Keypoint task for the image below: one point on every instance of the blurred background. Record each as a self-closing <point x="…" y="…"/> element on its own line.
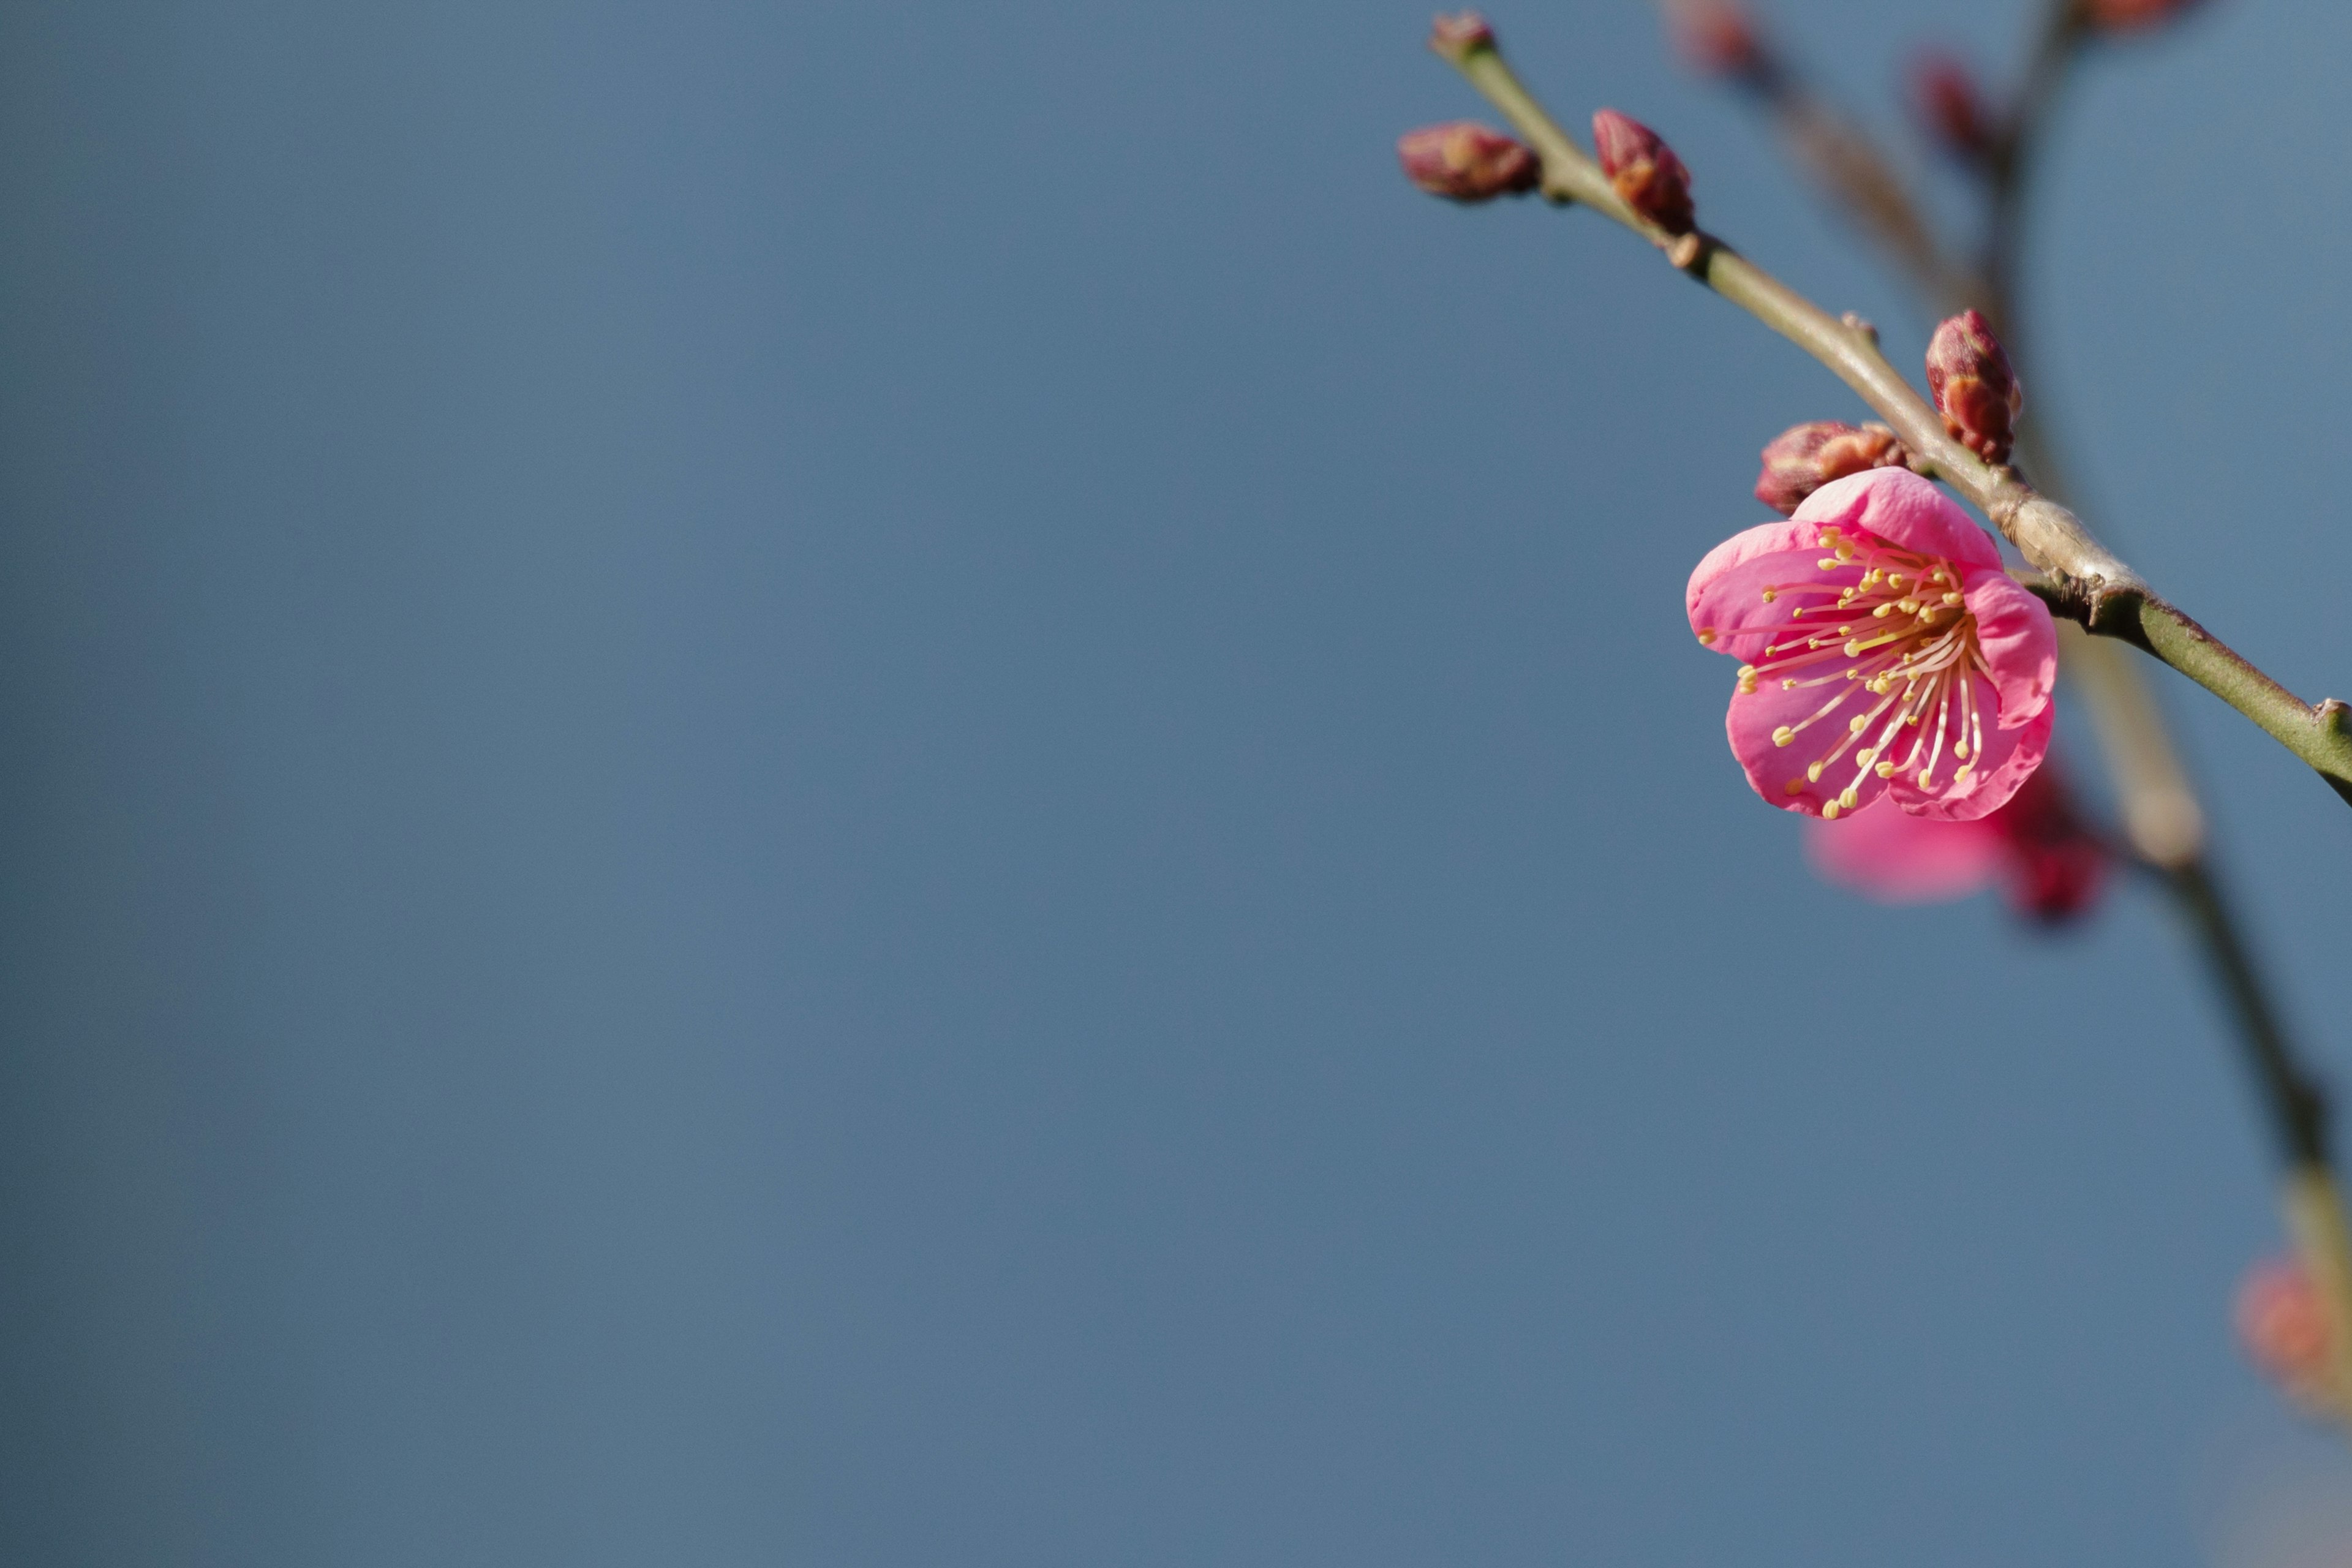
<point x="906" y="783"/>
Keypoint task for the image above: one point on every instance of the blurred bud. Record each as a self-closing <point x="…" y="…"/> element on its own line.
<point x="2057" y="865"/>
<point x="1944" y="97"/>
<point x="1465" y="161"/>
<point x="1715" y="38"/>
<point x="1458" y="37"/>
<point x="1804" y="457"/>
<point x="1645" y="170"/>
<point x="2283" y="1323"/>
<point x="1976" y="391"/>
<point x="2132" y="15"/>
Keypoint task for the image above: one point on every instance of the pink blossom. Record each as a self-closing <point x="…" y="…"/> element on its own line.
<point x="2035" y="849"/>
<point x="2283" y="1323"/>
<point x="1886" y="654"/>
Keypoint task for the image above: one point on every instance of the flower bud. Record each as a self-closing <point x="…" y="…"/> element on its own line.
<point x="2283" y="1323"/>
<point x="1944" y="97"/>
<point x="1715" y="38"/>
<point x="2132" y="15"/>
<point x="2057" y="865"/>
<point x="1976" y="391"/>
<point x="1644" y="171"/>
<point x="1460" y="36"/>
<point x="1465" y="161"/>
<point x="1804" y="457"/>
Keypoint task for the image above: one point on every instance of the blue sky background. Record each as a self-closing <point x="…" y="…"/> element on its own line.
<point x="907" y="785"/>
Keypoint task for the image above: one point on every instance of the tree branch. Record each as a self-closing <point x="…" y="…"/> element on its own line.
<point x="2089" y="581"/>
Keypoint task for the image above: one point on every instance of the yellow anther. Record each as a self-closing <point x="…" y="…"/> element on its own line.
<point x="1858" y="723"/>
<point x="1707" y="636"/>
<point x="1961" y="751"/>
<point x="1864" y="757"/>
<point x="1748" y="686"/>
<point x="1884" y="769"/>
<point x="1894" y="579"/>
<point x="1925" y="781"/>
<point x="1829" y="812"/>
<point x="1850" y="798"/>
<point x="1962" y="776"/>
<point x="1783" y="735"/>
<point x="1882" y="612"/>
<point x="1827" y="563"/>
<point x="1813" y="772"/>
<point x="1790" y="684"/>
<point x="1956" y="600"/>
<point x="1771" y="595"/>
<point x="1845" y="550"/>
<point x="1908" y="606"/>
<point x="1747" y="672"/>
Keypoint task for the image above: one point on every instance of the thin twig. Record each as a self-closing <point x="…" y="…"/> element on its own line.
<point x="2090" y="584"/>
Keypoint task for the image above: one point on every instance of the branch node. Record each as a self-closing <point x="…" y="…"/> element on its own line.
<point x="1686" y="252"/>
<point x="1862" y="326"/>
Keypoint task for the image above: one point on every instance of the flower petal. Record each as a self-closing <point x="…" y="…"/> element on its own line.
<point x="1772" y="769"/>
<point x="2009" y="759"/>
<point x="2019" y="642"/>
<point x="1899" y="858"/>
<point x="1732" y="615"/>
<point x="1904" y="510"/>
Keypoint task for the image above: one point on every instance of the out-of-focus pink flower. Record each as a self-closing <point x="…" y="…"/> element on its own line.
<point x="1715" y="36"/>
<point x="1976" y="391"/>
<point x="1465" y="161"/>
<point x="1945" y="99"/>
<point x="2283" y="1323"/>
<point x="2131" y="15"/>
<point x="1885" y="654"/>
<point x="2035" y="848"/>
<point x="1644" y="170"/>
<point x="1804" y="457"/>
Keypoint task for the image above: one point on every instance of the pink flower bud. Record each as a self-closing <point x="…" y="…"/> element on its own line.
<point x="1715" y="38"/>
<point x="2132" y="15"/>
<point x="1976" y="391"/>
<point x="1644" y="171"/>
<point x="2057" y="865"/>
<point x="1944" y="97"/>
<point x="1804" y="457"/>
<point x="1458" y="37"/>
<point x="1465" y="161"/>
<point x="2283" y="1323"/>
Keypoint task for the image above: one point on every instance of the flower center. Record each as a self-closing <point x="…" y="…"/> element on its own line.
<point x="1896" y="645"/>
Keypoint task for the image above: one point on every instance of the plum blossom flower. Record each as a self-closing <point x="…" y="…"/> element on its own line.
<point x="1884" y="654"/>
<point x="2283" y="1326"/>
<point x="2036" y="849"/>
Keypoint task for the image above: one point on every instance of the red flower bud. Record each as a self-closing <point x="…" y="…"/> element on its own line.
<point x="1460" y="36"/>
<point x="1976" y="391"/>
<point x="1944" y="97"/>
<point x="1465" y="161"/>
<point x="1645" y="170"/>
<point x="1715" y="38"/>
<point x="2131" y="15"/>
<point x="2057" y="866"/>
<point x="2283" y="1323"/>
<point x="1804" y="457"/>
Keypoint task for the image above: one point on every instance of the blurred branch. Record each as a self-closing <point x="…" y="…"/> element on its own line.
<point x="2162" y="816"/>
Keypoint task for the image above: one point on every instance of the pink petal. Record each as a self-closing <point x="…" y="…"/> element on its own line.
<point x="1770" y="769"/>
<point x="2009" y="759"/>
<point x="1725" y="595"/>
<point x="2019" y="642"/>
<point x="1900" y="858"/>
<point x="1732" y="606"/>
<point x="1904" y="509"/>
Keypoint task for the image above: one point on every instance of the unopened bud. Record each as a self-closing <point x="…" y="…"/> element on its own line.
<point x="1804" y="457"/>
<point x="1458" y="37"/>
<point x="2057" y="865"/>
<point x="2133" y="15"/>
<point x="1976" y="391"/>
<point x="1644" y="171"/>
<point x="1465" y="161"/>
<point x="1715" y="36"/>
<point x="1944" y="97"/>
<point x="2283" y="1323"/>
